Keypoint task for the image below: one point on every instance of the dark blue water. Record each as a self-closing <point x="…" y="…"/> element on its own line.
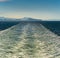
<point x="54" y="26"/>
<point x="4" y="25"/>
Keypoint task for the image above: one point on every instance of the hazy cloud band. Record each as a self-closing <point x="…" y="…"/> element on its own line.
<point x="3" y="0"/>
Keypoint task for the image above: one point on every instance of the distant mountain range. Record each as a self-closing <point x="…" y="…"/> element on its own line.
<point x="7" y="19"/>
<point x="26" y="19"/>
<point x="21" y="19"/>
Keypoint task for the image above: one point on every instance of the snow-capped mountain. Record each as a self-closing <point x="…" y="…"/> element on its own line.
<point x="29" y="40"/>
<point x="29" y="19"/>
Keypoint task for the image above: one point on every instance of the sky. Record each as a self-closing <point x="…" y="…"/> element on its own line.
<point x="41" y="9"/>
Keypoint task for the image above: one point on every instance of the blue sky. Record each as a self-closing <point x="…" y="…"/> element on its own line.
<point x="43" y="9"/>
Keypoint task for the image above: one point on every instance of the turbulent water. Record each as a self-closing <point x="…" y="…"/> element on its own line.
<point x="29" y="40"/>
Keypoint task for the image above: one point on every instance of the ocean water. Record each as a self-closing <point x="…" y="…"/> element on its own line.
<point x="54" y="26"/>
<point x="29" y="40"/>
<point x="7" y="24"/>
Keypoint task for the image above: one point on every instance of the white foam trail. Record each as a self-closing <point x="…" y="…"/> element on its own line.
<point x="29" y="40"/>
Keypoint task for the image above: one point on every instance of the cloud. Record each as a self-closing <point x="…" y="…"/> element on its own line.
<point x="3" y="0"/>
